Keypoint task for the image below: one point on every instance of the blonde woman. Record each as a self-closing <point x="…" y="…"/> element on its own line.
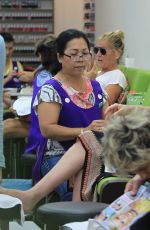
<point x="108" y="52"/>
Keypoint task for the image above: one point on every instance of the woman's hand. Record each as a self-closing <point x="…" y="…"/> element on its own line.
<point x="91" y="70"/>
<point x="96" y="125"/>
<point x="9" y="77"/>
<point x="115" y="109"/>
<point x="133" y="185"/>
<point x="26" y="76"/>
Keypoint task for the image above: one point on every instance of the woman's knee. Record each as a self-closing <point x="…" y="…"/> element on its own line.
<point x="8" y="123"/>
<point x="14" y="128"/>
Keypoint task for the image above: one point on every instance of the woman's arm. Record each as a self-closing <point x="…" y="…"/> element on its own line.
<point x="48" y="115"/>
<point x="113" y="92"/>
<point x="122" y="109"/>
<point x="26" y="76"/>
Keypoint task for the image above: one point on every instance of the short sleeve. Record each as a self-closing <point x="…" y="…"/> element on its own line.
<point x="43" y="77"/>
<point x="112" y="77"/>
<point x="20" y="67"/>
<point x="104" y="94"/>
<point x="47" y="93"/>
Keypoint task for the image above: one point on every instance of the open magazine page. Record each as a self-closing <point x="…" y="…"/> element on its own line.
<point x="125" y="210"/>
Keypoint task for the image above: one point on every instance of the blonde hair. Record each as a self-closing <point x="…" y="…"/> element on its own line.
<point x="126" y="141"/>
<point x="116" y="39"/>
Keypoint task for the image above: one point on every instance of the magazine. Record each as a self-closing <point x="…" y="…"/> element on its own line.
<point x="125" y="210"/>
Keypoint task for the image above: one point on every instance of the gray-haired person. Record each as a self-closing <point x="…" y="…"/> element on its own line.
<point x="126" y="147"/>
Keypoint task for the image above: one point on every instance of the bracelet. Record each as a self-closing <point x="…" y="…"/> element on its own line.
<point x="81" y="131"/>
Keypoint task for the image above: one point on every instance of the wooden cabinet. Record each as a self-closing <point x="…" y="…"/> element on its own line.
<point x="28" y="21"/>
<point x="89" y="19"/>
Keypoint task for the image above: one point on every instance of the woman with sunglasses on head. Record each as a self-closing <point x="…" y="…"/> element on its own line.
<point x="108" y="52"/>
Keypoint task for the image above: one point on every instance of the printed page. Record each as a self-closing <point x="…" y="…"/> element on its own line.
<point x="125" y="210"/>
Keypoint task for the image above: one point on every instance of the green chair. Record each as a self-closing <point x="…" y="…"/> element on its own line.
<point x="147" y="97"/>
<point x="138" y="79"/>
<point x="110" y="187"/>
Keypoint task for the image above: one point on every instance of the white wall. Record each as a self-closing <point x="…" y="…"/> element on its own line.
<point x="68" y="14"/>
<point x="133" y="17"/>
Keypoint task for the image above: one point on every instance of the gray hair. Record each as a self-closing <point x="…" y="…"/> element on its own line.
<point x="126" y="141"/>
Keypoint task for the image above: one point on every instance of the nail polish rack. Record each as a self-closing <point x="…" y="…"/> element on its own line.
<point x="28" y="21"/>
<point x="89" y="20"/>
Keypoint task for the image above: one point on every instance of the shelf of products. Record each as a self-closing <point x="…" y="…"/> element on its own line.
<point x="89" y="20"/>
<point x="28" y="21"/>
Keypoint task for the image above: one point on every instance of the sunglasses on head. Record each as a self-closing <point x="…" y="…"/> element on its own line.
<point x="99" y="49"/>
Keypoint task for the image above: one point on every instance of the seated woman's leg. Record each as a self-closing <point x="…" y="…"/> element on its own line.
<point x="6" y="100"/>
<point x="77" y="186"/>
<point x="15" y="128"/>
<point x="71" y="163"/>
<point x="48" y="163"/>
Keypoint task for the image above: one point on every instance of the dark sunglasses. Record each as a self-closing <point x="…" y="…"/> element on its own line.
<point x="99" y="49"/>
